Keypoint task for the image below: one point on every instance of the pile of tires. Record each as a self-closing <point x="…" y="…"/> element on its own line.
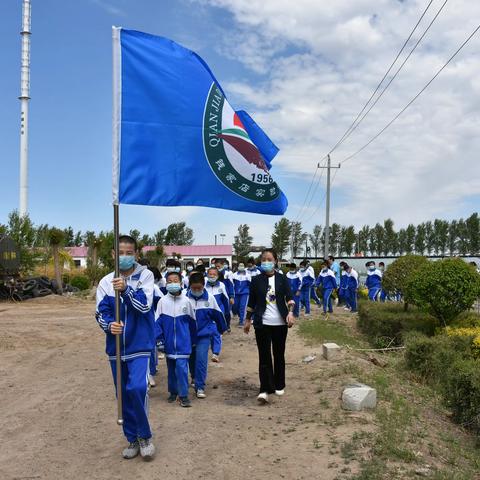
<point x="33" y="287"/>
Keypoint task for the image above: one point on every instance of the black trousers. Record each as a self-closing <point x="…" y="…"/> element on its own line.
<point x="272" y="374"/>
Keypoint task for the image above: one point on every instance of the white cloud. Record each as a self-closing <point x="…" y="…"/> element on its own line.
<point x="320" y="62"/>
<point x="110" y="8"/>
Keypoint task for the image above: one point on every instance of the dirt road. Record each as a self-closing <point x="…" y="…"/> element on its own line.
<point x="57" y="408"/>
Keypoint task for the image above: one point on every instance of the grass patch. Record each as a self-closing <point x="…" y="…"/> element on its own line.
<point x="320" y="330"/>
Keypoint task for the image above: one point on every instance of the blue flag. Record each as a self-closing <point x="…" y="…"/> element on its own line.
<point x="176" y="138"/>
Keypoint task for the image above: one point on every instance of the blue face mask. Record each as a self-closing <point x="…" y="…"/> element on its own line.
<point x="197" y="293"/>
<point x="268" y="266"/>
<point x="189" y="268"/>
<point x="372" y="269"/>
<point x="173" y="287"/>
<point x="126" y="262"/>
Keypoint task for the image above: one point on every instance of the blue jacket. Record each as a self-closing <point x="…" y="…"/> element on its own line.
<point x="327" y="279"/>
<point x="374" y="279"/>
<point x="221" y="296"/>
<point x="352" y="280"/>
<point x="241" y="282"/>
<point x="210" y="318"/>
<point x="307" y="279"/>
<point x="336" y="270"/>
<point x="343" y="280"/>
<point x="138" y="338"/>
<point x="294" y="281"/>
<point x="176" y="325"/>
<point x="157" y="295"/>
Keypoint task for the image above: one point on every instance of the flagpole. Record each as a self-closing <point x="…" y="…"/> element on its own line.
<point x="116" y="90"/>
<point x="118" y="360"/>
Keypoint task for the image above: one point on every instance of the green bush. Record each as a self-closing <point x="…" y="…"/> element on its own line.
<point x="444" y="288"/>
<point x="82" y="282"/>
<point x="386" y="323"/>
<point x="432" y="357"/>
<point x="399" y="273"/>
<point x="462" y="393"/>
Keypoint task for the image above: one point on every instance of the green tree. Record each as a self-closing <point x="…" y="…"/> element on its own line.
<point x="22" y="231"/>
<point x="242" y="243"/>
<point x="377" y="239"/>
<point x="399" y="273"/>
<point x="420" y="235"/>
<point x="178" y="234"/>
<point x="297" y="238"/>
<point x="452" y="237"/>
<point x="335" y="239"/>
<point x="402" y="241"/>
<point x="69" y="237"/>
<point x="282" y="231"/>
<point x="93" y="242"/>
<point x="78" y="240"/>
<point x="364" y="239"/>
<point x="390" y="245"/>
<point x="316" y="239"/>
<point x="440" y="228"/>
<point x="473" y="231"/>
<point x="155" y="257"/>
<point x="159" y="237"/>
<point x="444" y="288"/>
<point x="349" y="239"/>
<point x="135" y="234"/>
<point x="411" y="233"/>
<point x="462" y="237"/>
<point x="56" y="239"/>
<point x="429" y="237"/>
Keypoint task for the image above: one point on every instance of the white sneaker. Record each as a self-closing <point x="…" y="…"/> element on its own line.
<point x="306" y="314"/>
<point x="262" y="398"/>
<point x="147" y="448"/>
<point x="151" y="381"/>
<point x="131" y="451"/>
<point x="346" y="308"/>
<point x="280" y="392"/>
<point x="215" y="358"/>
<point x="201" y="394"/>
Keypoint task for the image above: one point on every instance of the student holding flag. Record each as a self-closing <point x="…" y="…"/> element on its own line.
<point x="136" y="331"/>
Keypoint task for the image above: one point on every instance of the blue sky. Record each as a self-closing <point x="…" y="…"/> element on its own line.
<point x="302" y="86"/>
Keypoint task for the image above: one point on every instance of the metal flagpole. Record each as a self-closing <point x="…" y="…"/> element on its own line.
<point x="118" y="360"/>
<point x="327" y="208"/>
<point x="116" y="88"/>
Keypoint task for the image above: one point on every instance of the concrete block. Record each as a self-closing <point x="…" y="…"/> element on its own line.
<point x="331" y="351"/>
<point x="358" y="397"/>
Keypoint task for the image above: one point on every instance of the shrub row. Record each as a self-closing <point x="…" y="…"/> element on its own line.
<point x="446" y="363"/>
<point x="386" y="323"/>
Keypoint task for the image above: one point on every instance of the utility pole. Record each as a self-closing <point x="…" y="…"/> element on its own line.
<point x="24" y="98"/>
<point x="327" y="209"/>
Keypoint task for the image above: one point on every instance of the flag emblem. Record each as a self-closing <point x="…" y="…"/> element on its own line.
<point x="233" y="157"/>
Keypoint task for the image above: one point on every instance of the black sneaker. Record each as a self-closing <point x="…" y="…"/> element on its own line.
<point x="185" y="402"/>
<point x="172" y="398"/>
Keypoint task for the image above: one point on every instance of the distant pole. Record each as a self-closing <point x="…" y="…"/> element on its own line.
<point x="215" y="239"/>
<point x="327" y="208"/>
<point x="222" y="235"/>
<point x="24" y="98"/>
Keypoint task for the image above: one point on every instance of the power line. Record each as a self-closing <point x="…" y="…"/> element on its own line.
<point x="397" y="72"/>
<point x="347" y="132"/>
<point x="299" y="214"/>
<point x="413" y="99"/>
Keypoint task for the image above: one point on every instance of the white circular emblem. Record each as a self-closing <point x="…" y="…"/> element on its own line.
<point x="207" y="304"/>
<point x="184" y="310"/>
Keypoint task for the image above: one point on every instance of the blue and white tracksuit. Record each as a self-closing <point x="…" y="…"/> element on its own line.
<point x="136" y="344"/>
<point x="328" y="282"/>
<point x="177" y="329"/>
<point x="352" y="289"/>
<point x="157" y="295"/>
<point x="374" y="284"/>
<point x="210" y="321"/>
<point x="241" y="284"/>
<point x="294" y="281"/>
<point x="313" y="289"/>
<point x="254" y="271"/>
<point x="307" y="280"/>
<point x="221" y="296"/>
<point x="343" y="288"/>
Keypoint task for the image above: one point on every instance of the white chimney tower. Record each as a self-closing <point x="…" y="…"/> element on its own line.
<point x="24" y="98"/>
